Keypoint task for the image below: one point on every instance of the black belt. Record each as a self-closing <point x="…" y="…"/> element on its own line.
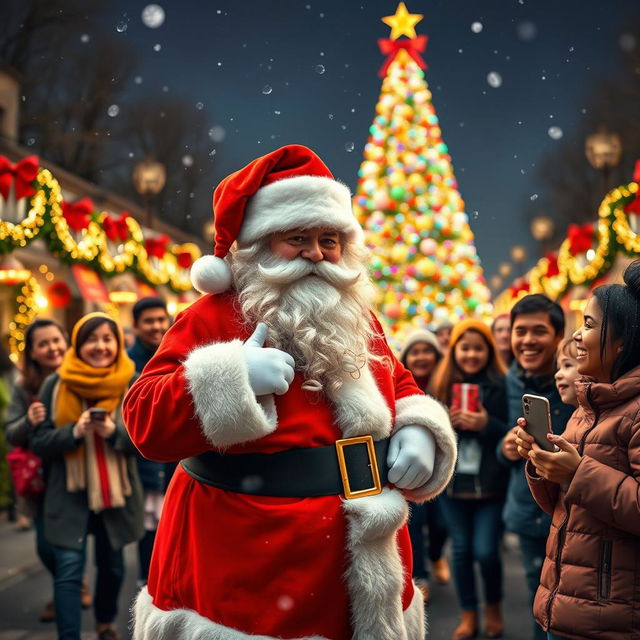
<point x="353" y="467"/>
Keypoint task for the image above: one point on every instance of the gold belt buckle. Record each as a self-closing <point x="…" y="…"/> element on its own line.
<point x="373" y="464"/>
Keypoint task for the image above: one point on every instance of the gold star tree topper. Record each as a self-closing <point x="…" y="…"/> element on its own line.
<point x="402" y="23"/>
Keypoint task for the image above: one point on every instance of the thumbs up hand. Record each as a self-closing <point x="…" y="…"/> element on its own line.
<point x="270" y="370"/>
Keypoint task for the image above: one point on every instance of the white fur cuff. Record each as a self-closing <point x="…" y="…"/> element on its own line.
<point x="427" y="412"/>
<point x="224" y="400"/>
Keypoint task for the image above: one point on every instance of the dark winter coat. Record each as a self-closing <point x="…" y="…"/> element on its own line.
<point x="521" y="514"/>
<point x="17" y="430"/>
<point x="66" y="514"/>
<point x="491" y="481"/>
<point x="589" y="587"/>
<point x="17" y="427"/>
<point x="154" y="476"/>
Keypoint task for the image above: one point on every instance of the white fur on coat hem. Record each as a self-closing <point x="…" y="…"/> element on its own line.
<point x="415" y="619"/>
<point x="152" y="623"/>
<point x="375" y="574"/>
<point x="427" y="412"/>
<point x="224" y="401"/>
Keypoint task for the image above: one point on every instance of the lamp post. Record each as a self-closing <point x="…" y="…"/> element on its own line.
<point x="542" y="229"/>
<point x="149" y="178"/>
<point x="603" y="150"/>
<point x="504" y="269"/>
<point x="518" y="255"/>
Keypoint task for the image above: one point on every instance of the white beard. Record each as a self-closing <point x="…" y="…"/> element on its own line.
<point x="322" y="320"/>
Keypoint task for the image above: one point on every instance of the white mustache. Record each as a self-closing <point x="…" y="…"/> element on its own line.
<point x="288" y="271"/>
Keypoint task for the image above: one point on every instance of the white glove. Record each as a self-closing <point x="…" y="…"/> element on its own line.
<point x="270" y="370"/>
<point x="411" y="456"/>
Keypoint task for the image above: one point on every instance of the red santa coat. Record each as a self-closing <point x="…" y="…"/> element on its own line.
<point x="230" y="565"/>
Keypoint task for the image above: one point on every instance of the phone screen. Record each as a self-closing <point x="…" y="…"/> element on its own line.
<point x="98" y="414"/>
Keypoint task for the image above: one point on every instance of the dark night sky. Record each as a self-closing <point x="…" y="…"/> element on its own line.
<point x="548" y="53"/>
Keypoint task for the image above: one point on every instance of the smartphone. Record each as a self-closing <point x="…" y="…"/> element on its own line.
<point x="465" y="395"/>
<point x="537" y="413"/>
<point x="97" y="414"/>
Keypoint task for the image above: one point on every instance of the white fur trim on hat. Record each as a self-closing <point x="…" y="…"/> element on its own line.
<point x="299" y="202"/>
<point x="210" y="274"/>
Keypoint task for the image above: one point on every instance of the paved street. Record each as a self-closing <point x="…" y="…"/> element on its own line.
<point x="25" y="587"/>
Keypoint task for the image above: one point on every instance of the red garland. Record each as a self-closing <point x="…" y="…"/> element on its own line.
<point x="184" y="259"/>
<point x="23" y="173"/>
<point x="78" y="214"/>
<point x="414" y="47"/>
<point x="580" y="238"/>
<point x="518" y="287"/>
<point x="157" y="247"/>
<point x="552" y="265"/>
<point x="116" y="229"/>
<point x="634" y="205"/>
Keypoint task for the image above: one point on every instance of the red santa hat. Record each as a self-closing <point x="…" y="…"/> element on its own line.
<point x="290" y="188"/>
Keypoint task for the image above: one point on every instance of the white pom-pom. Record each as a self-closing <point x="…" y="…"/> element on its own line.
<point x="210" y="274"/>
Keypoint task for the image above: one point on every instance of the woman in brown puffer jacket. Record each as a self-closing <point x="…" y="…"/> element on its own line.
<point x="589" y="587"/>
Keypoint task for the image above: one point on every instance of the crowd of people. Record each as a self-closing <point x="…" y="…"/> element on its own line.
<point x="63" y="404"/>
<point x="265" y="544"/>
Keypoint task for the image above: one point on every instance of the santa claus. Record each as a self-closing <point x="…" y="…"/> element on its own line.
<point x="301" y="436"/>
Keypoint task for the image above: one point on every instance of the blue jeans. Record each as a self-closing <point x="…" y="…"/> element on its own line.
<point x="43" y="547"/>
<point x="68" y="582"/>
<point x="533" y="553"/>
<point x="429" y="513"/>
<point x="475" y="527"/>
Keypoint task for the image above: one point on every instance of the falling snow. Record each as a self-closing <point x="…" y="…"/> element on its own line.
<point x="494" y="79"/>
<point x="153" y="16"/>
<point x="555" y="133"/>
<point x="476" y="27"/>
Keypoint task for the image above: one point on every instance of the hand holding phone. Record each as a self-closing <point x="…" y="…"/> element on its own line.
<point x="537" y="413"/>
<point x="97" y="414"/>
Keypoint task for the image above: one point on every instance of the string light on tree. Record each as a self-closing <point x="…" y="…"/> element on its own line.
<point x="407" y="200"/>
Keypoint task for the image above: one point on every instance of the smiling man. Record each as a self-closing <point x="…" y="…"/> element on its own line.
<point x="301" y="435"/>
<point x="537" y="327"/>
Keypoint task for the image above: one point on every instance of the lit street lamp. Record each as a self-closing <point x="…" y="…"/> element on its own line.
<point x="504" y="269"/>
<point x="603" y="150"/>
<point x="542" y="229"/>
<point x="149" y="178"/>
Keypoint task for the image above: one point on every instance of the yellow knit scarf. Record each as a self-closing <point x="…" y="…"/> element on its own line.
<point x="94" y="465"/>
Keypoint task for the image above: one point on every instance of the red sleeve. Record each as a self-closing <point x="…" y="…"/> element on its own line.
<point x="404" y="383"/>
<point x="158" y="410"/>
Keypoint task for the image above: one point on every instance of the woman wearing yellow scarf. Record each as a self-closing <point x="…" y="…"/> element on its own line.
<point x="92" y="485"/>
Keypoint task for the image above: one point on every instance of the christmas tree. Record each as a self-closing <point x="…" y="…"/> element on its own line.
<point x="407" y="200"/>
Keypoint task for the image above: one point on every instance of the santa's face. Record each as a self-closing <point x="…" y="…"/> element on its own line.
<point x="311" y="288"/>
<point x="311" y="244"/>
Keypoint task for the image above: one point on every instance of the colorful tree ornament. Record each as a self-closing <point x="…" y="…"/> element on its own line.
<point x="407" y="199"/>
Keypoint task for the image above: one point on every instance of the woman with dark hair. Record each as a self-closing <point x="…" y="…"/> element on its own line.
<point x="474" y="499"/>
<point x="421" y="355"/>
<point x="45" y="343"/>
<point x="44" y="347"/>
<point x="92" y="484"/>
<point x="591" y="482"/>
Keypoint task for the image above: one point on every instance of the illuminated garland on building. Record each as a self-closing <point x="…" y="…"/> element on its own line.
<point x="613" y="235"/>
<point x="27" y="298"/>
<point x="90" y="245"/>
